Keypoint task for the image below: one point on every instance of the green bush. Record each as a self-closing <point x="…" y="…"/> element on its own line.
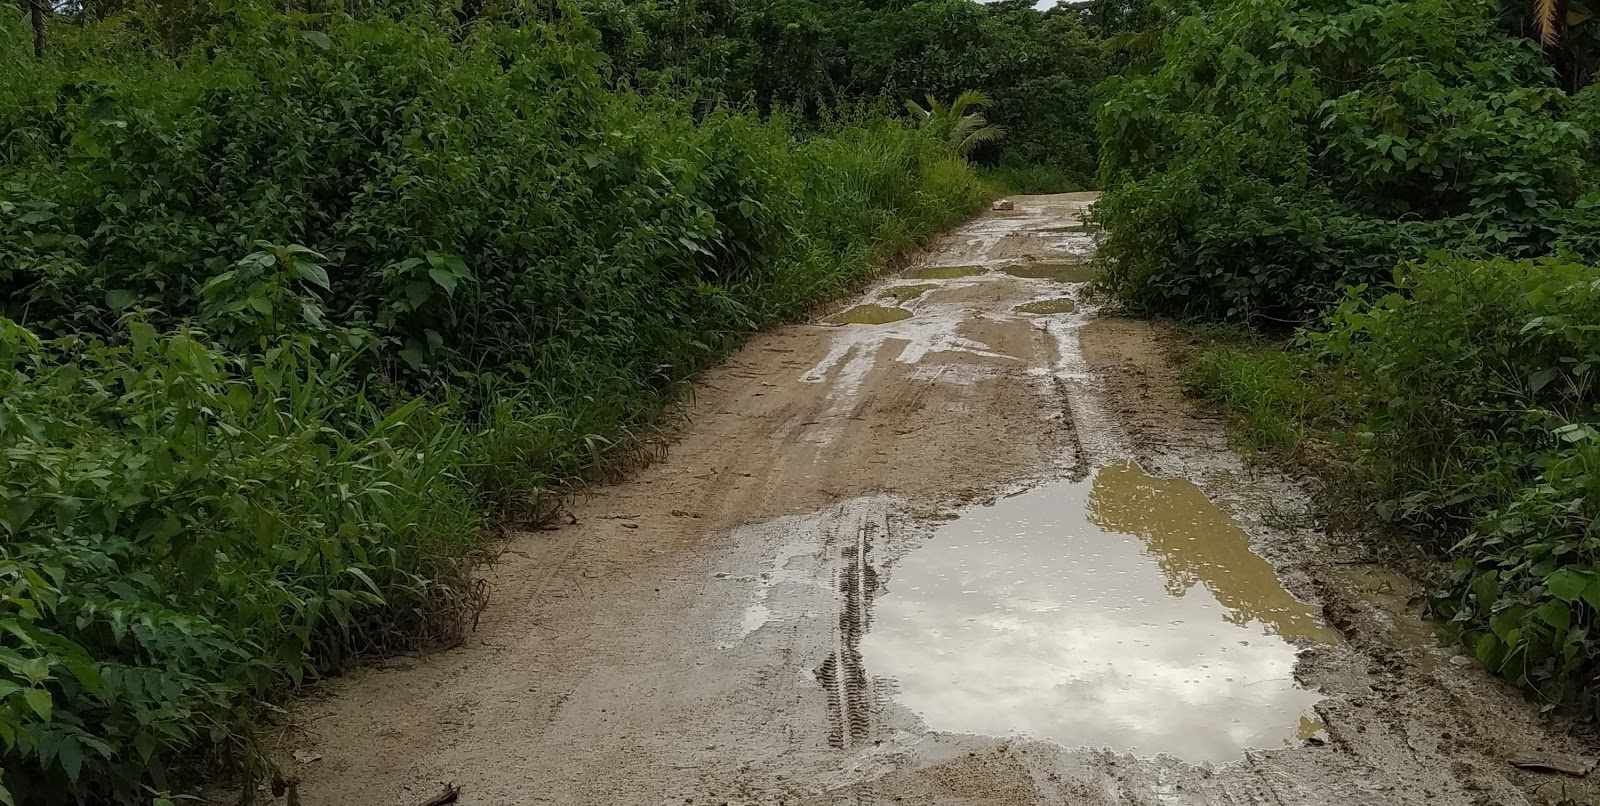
<point x="1479" y="383"/>
<point x="287" y="317"/>
<point x="1285" y="148"/>
<point x="186" y="529"/>
<point x="1469" y="396"/>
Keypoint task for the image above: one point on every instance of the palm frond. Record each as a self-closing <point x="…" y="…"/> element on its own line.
<point x="977" y="137"/>
<point x="1544" y="18"/>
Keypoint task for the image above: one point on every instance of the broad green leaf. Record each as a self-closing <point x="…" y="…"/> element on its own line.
<point x="69" y="754"/>
<point x="1556" y="614"/>
<point x="1568" y="583"/>
<point x="313" y="273"/>
<point x="39" y="700"/>
<point x="446" y="280"/>
<point x="1488" y="647"/>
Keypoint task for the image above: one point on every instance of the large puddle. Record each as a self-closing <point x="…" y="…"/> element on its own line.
<point x="1124" y="612"/>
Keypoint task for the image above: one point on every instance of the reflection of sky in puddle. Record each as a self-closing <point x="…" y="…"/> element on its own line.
<point x="1040" y="615"/>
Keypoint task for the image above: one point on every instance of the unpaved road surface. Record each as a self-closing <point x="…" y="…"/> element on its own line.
<point x="949" y="552"/>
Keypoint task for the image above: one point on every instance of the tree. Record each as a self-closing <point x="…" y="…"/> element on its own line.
<point x="954" y="124"/>
<point x="36" y="11"/>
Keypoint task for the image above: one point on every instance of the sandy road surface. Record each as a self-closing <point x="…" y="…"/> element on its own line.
<point x="958" y="558"/>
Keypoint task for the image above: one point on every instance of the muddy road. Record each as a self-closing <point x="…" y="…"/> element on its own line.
<point x="961" y="542"/>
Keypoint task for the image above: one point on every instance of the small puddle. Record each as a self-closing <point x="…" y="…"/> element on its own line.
<point x="1398" y="599"/>
<point x="1126" y="612"/>
<point x="901" y="293"/>
<point x="942" y="272"/>
<point x="1057" y="305"/>
<point x="1070" y="271"/>
<point x="870" y="315"/>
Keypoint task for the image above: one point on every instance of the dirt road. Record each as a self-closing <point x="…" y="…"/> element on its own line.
<point x="969" y="547"/>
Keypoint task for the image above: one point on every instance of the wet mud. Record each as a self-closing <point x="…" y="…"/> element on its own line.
<point x="974" y="556"/>
<point x="942" y="272"/>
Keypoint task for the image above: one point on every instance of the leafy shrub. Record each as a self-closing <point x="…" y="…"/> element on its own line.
<point x="1286" y="148"/>
<point x="1470" y="393"/>
<point x="1468" y="371"/>
<point x="1479" y="382"/>
<point x="186" y="529"/>
<point x="287" y="319"/>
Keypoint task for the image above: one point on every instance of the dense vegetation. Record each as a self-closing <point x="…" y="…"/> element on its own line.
<point x="1413" y="183"/>
<point x="1039" y="68"/>
<point x="294" y="307"/>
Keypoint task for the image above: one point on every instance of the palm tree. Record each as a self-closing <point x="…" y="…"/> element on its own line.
<point x="964" y="130"/>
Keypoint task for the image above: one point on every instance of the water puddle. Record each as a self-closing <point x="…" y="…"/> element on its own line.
<point x="1070" y="271"/>
<point x="870" y="315"/>
<point x="901" y="293"/>
<point x="1397" y="599"/>
<point x="1124" y="612"/>
<point x="942" y="272"/>
<point x="1046" y="306"/>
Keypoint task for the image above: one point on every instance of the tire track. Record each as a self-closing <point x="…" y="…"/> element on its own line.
<point x="844" y="678"/>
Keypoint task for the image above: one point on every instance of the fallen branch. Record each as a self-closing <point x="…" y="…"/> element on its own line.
<point x="446" y="795"/>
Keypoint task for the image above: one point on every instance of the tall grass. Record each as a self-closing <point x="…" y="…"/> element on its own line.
<point x="289" y="319"/>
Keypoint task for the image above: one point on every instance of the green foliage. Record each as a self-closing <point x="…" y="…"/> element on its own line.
<point x="1031" y="178"/>
<point x="187" y="528"/>
<point x="1286" y="148"/>
<point x="287" y="320"/>
<point x="1470" y="398"/>
<point x="1281" y="401"/>
<point x="954" y="124"/>
<point x="1468" y="370"/>
<point x="811" y="55"/>
<point x="1480" y="387"/>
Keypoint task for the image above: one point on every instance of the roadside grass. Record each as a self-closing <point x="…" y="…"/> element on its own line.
<point x="1015" y="178"/>
<point x="1280" y="401"/>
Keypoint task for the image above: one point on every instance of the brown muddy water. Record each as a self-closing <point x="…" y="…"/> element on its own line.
<point x="870" y="315"/>
<point x="1048" y="306"/>
<point x="1126" y="611"/>
<point x="1069" y="271"/>
<point x="901" y="293"/>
